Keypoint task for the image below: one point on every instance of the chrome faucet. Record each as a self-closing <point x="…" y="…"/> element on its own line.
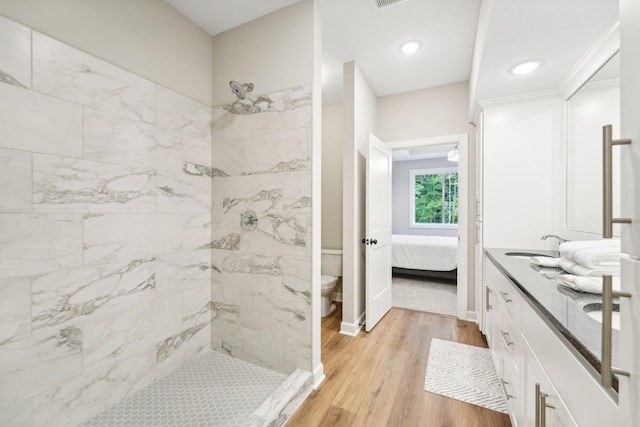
<point x="560" y="239"/>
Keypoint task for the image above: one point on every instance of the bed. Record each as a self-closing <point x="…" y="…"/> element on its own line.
<point x="429" y="256"/>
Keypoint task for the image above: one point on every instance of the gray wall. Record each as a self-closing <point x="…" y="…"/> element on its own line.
<point x="400" y="196"/>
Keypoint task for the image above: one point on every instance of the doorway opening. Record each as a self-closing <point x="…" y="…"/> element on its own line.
<point x="430" y="220"/>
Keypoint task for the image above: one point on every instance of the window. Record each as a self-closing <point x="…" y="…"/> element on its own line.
<point x="433" y="198"/>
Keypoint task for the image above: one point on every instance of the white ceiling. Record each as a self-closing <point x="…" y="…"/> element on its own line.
<point x="216" y="16"/>
<point x="355" y="30"/>
<point x="421" y="153"/>
<point x="557" y="31"/>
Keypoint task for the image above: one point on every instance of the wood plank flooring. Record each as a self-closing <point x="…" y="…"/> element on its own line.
<point x="377" y="378"/>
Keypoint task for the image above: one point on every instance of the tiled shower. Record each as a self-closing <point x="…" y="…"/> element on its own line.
<point x="121" y="252"/>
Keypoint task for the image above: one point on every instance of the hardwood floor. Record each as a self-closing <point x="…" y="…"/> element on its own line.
<point x="377" y="378"/>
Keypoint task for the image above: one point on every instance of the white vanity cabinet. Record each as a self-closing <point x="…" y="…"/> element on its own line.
<point x="536" y="368"/>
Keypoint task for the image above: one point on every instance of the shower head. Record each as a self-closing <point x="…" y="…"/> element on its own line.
<point x="240" y="90"/>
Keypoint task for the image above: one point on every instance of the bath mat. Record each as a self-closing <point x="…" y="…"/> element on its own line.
<point x="464" y="372"/>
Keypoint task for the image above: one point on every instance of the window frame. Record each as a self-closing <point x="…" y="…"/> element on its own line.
<point x="412" y="197"/>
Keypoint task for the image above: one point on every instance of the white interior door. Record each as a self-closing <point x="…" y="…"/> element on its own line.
<point x="378" y="232"/>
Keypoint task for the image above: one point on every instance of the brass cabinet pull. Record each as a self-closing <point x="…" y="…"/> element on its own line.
<point x="487" y="302"/>
<point x="607" y="181"/>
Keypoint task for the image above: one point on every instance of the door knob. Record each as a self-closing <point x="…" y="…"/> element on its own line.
<point x="365" y="241"/>
<point x="374" y="241"/>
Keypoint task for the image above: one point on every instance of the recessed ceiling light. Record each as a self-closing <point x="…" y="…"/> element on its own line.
<point x="526" y="67"/>
<point x="410" y="47"/>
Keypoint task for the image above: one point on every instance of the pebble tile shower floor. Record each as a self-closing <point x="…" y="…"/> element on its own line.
<point x="212" y="390"/>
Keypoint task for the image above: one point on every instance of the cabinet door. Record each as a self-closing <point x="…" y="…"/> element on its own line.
<point x="629" y="344"/>
<point x="479" y="152"/>
<point x="629" y="123"/>
<point x="542" y="405"/>
<point x="479" y="274"/>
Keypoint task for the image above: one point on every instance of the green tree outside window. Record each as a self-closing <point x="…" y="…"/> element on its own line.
<point x="436" y="198"/>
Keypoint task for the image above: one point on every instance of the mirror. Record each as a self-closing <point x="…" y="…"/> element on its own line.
<point x="593" y="105"/>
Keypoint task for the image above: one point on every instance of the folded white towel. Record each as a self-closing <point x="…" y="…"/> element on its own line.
<point x="592" y="285"/>
<point x="598" y="257"/>
<point x="579" y="270"/>
<point x="545" y="261"/>
<point x="592" y="253"/>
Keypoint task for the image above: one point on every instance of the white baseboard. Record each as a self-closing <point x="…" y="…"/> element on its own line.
<point x="318" y="376"/>
<point x="472" y="316"/>
<point x="350" y="329"/>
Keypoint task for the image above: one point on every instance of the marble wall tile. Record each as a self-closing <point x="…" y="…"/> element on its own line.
<point x="252" y="346"/>
<point x="217" y="196"/>
<point x="227" y="158"/>
<point x="258" y="193"/>
<point x="196" y="306"/>
<point x="281" y="316"/>
<point x="296" y="277"/>
<point x="196" y="151"/>
<point x="34" y="122"/>
<point x="63" y="184"/>
<point x="39" y="362"/>
<point x="228" y="126"/>
<point x="296" y="193"/>
<point x="112" y="337"/>
<point x="227" y="303"/>
<point x="226" y="232"/>
<point x="297" y="356"/>
<point x="297" y="118"/>
<point x="196" y="231"/>
<point x="16" y="414"/>
<point x="66" y="296"/>
<point x="283" y="234"/>
<point x="182" y="271"/>
<point x="32" y="244"/>
<point x="295" y="97"/>
<point x="15" y="309"/>
<point x="110" y="238"/>
<point x="64" y="72"/>
<point x="74" y="401"/>
<point x="252" y="271"/>
<point x="113" y="139"/>
<point x="271" y="314"/>
<point x="183" y="193"/>
<point x="284" y="151"/>
<point x="185" y="345"/>
<point x="284" y="100"/>
<point x="195" y="169"/>
<point x="15" y="181"/>
<point x="15" y="54"/>
<point x="184" y="115"/>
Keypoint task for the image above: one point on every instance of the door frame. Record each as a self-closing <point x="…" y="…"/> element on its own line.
<point x="462" y="140"/>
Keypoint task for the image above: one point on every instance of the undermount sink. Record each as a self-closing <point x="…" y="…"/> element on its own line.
<point x="524" y="255"/>
<point x="594" y="311"/>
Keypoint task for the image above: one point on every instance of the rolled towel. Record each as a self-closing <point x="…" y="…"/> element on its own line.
<point x="545" y="261"/>
<point x="592" y="285"/>
<point x="593" y="253"/>
<point x="579" y="270"/>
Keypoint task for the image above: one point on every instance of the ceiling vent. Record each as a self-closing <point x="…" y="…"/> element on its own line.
<point x="380" y="4"/>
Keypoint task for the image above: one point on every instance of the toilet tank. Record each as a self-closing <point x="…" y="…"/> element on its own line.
<point x="331" y="262"/>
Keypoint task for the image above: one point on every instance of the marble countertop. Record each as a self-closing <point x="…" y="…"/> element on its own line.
<point x="561" y="308"/>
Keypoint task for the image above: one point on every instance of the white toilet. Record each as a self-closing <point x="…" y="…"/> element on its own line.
<point x="331" y="269"/>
